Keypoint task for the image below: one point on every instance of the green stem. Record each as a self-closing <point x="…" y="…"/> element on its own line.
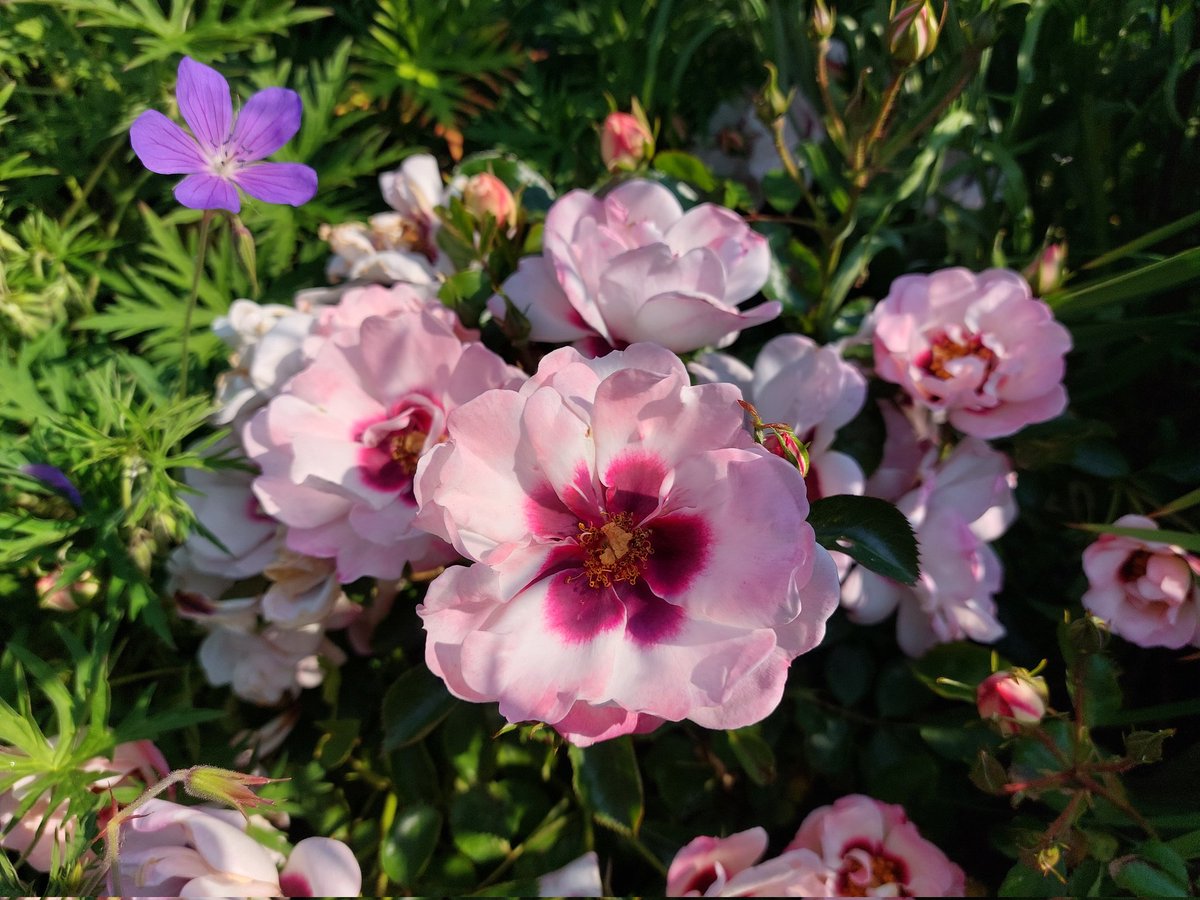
<point x="112" y="831"/>
<point x="82" y="194"/>
<point x="201" y="249"/>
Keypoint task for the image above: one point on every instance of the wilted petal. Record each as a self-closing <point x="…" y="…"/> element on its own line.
<point x="204" y="191"/>
<point x="291" y="183"/>
<point x="268" y="121"/>
<point x="203" y="95"/>
<point x="163" y="146"/>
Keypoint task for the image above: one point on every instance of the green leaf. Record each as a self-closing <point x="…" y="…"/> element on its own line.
<point x="609" y="785"/>
<point x="781" y="192"/>
<point x="849" y="669"/>
<point x="953" y="670"/>
<point x="1184" y="539"/>
<point x="406" y="850"/>
<point x="1186" y="845"/>
<point x="414" y="706"/>
<point x="339" y="738"/>
<point x="687" y="168"/>
<point x="872" y="531"/>
<point x="1151" y="279"/>
<point x="754" y="753"/>
<point x="1022" y="881"/>
<point x="484" y="821"/>
<point x="1157" y="871"/>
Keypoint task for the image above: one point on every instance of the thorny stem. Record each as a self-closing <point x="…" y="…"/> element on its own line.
<point x="838" y="127"/>
<point x="862" y="173"/>
<point x="201" y="249"/>
<point x="1120" y="803"/>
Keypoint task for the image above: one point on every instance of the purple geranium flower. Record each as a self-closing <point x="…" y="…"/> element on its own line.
<point x="224" y="154"/>
<point x="53" y="477"/>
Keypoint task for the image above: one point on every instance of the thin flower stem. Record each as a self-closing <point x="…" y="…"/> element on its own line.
<point x="84" y="192"/>
<point x="877" y="130"/>
<point x="1120" y="803"/>
<point x="112" y="831"/>
<point x="837" y="126"/>
<point x="201" y="249"/>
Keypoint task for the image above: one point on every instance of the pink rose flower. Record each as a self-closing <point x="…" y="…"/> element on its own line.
<point x="977" y="349"/>
<point x="871" y="849"/>
<point x="338" y="448"/>
<point x="1145" y="590"/>
<point x="730" y="867"/>
<point x="168" y="850"/>
<point x="1012" y="699"/>
<point x="959" y="504"/>
<point x="637" y="557"/>
<point x="633" y="266"/>
<point x="132" y="762"/>
<point x="797" y="382"/>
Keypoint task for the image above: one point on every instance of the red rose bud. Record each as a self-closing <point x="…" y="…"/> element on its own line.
<point x="912" y="34"/>
<point x="625" y="141"/>
<point x="225" y="786"/>
<point x="1045" y="274"/>
<point x="782" y="441"/>
<point x="1012" y="698"/>
<point x="486" y="195"/>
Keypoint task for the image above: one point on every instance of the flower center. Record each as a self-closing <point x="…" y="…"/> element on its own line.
<point x="1134" y="566"/>
<point x="405" y="448"/>
<point x="614" y="552"/>
<point x="944" y="348"/>
<point x="864" y="871"/>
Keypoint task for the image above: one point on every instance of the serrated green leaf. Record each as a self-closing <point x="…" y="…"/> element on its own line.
<point x="608" y="783"/>
<point x="872" y="531"/>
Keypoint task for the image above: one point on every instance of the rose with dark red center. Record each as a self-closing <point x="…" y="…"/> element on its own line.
<point x="1145" y="590"/>
<point x="978" y="350"/>
<point x="339" y="446"/>
<point x="638" y="557"/>
<point x="871" y="849"/>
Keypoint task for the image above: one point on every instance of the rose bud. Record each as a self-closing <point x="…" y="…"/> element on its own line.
<point x="1012" y="698"/>
<point x="625" y="141"/>
<point x="912" y="34"/>
<point x="486" y="195"/>
<point x="1045" y="273"/>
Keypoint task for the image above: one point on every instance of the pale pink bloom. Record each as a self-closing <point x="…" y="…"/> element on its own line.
<point x="578" y="878"/>
<point x="979" y="350"/>
<point x="910" y="435"/>
<point x="633" y="266"/>
<point x="339" y="446"/>
<point x="131" y="762"/>
<point x="743" y="148"/>
<point x="1145" y="590"/>
<point x="638" y="557"/>
<point x="959" y="505"/>
<point x="399" y="246"/>
<point x="871" y="849"/>
<point x="264" y="343"/>
<point x="809" y="387"/>
<point x="1012" y="698"/>
<point x="199" y="851"/>
<point x="624" y="141"/>
<point x="730" y="867"/>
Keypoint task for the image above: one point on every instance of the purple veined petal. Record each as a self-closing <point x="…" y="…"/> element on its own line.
<point x="207" y="191"/>
<point x="163" y="146"/>
<point x="203" y="96"/>
<point x="268" y="121"/>
<point x="291" y="183"/>
<point x="53" y="477"/>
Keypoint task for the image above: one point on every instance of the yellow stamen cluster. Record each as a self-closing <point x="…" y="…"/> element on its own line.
<point x="945" y="349"/>
<point x="616" y="551"/>
<point x="405" y="448"/>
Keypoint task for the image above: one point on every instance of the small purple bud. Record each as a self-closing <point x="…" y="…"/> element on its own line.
<point x="54" y="478"/>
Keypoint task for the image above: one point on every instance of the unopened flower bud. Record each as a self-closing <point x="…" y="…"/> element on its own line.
<point x="53" y="594"/>
<point x="1012" y="698"/>
<point x="243" y="241"/>
<point x="821" y="20"/>
<point x="1089" y="634"/>
<point x="913" y="32"/>
<point x="486" y="195"/>
<point x="625" y="141"/>
<point x="1045" y="273"/>
<point x="226" y="786"/>
<point x="772" y="103"/>
<point x="782" y="441"/>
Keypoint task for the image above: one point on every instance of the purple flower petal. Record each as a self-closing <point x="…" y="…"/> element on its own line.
<point x="163" y="146"/>
<point x="290" y="183"/>
<point x="203" y="96"/>
<point x="268" y="121"/>
<point x="207" y="191"/>
<point x="53" y="477"/>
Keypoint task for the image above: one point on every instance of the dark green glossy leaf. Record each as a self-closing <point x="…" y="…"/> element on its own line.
<point x="872" y="531"/>
<point x="406" y="850"/>
<point x="608" y="783"/>
<point x="414" y="706"/>
<point x="685" y="167"/>
<point x="339" y="738"/>
<point x="754" y="753"/>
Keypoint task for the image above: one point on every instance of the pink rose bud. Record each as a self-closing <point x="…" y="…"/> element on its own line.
<point x="1045" y="273"/>
<point x="912" y="34"/>
<point x="487" y="195"/>
<point x="625" y="141"/>
<point x="1012" y="698"/>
